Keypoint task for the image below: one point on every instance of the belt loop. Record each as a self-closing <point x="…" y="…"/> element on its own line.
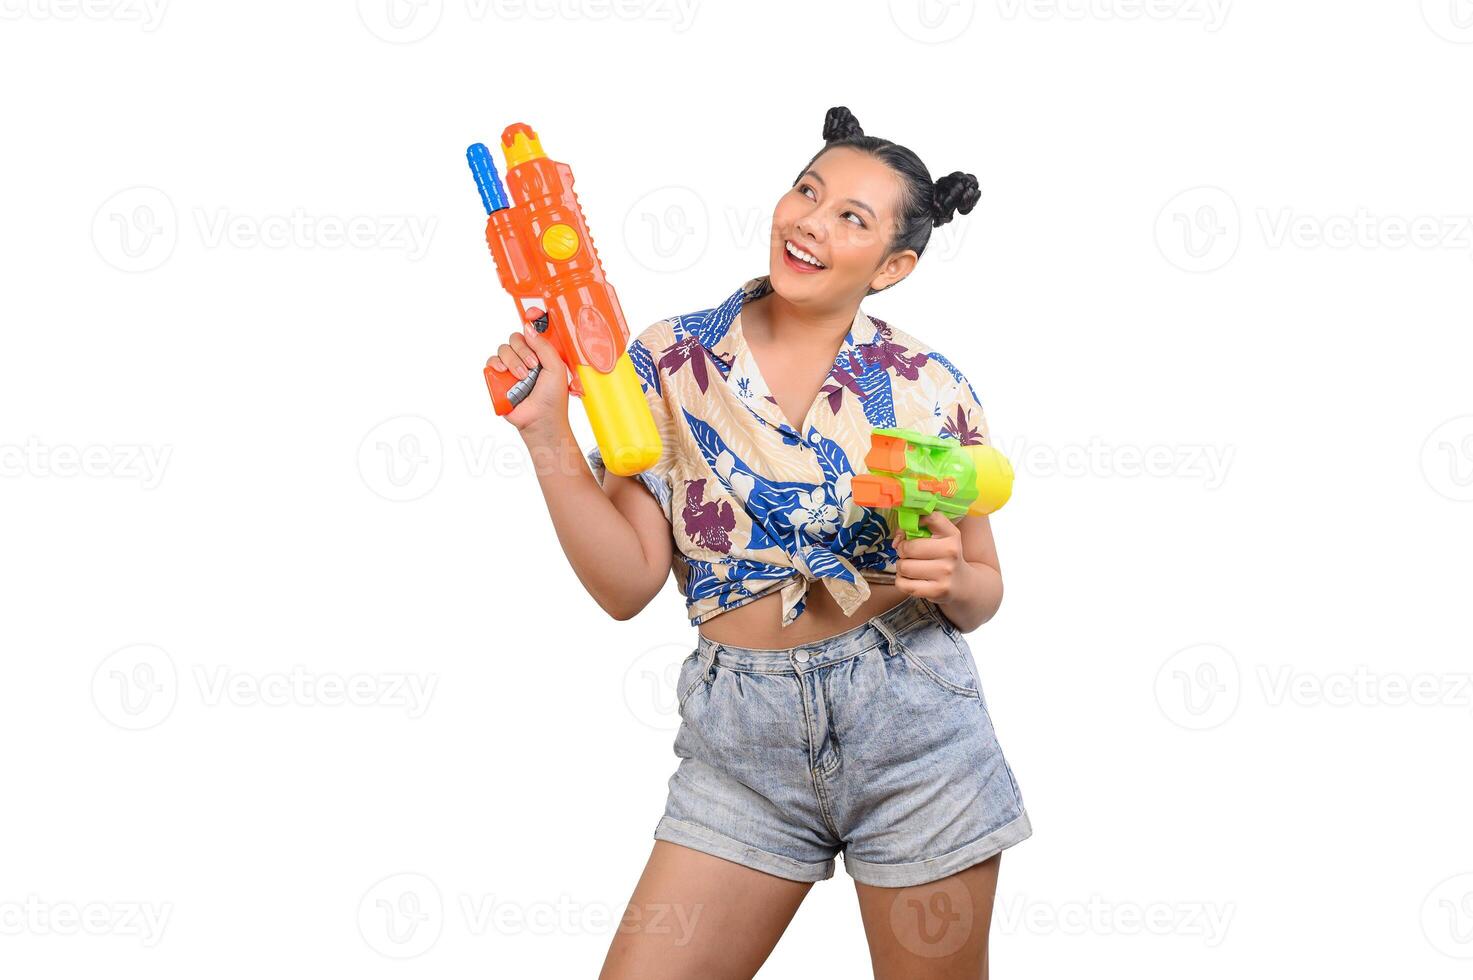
<point x="886" y="632"/>
<point x="711" y="659"/>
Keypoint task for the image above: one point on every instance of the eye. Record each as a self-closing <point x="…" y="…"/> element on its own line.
<point x="804" y="189"/>
<point x="857" y="219"/>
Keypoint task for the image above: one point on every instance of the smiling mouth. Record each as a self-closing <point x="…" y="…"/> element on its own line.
<point x="799" y="260"/>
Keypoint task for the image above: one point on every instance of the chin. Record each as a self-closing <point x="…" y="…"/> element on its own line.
<point x="795" y="287"/>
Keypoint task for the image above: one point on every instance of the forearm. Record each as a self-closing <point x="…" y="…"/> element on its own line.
<point x="975" y="598"/>
<point x="600" y="543"/>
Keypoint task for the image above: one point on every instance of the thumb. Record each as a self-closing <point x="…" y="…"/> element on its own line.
<point x="940" y="525"/>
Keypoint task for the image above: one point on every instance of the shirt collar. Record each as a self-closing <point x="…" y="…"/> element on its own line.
<point x="723" y="339"/>
<point x="861" y="332"/>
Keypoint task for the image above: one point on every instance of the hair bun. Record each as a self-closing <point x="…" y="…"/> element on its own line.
<point x="956" y="192"/>
<point x="840" y="124"/>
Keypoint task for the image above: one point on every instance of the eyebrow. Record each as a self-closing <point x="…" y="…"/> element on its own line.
<point x="849" y="200"/>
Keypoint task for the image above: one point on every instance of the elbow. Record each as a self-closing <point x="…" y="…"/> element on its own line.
<point x="623" y="613"/>
<point x="625" y="608"/>
<point x="620" y="611"/>
<point x="637" y="592"/>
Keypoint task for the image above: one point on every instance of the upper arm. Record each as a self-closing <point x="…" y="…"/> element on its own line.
<point x="962" y="418"/>
<point x="644" y="498"/>
<point x="646" y="515"/>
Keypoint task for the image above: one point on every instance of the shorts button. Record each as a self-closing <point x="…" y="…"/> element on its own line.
<point x="801" y="656"/>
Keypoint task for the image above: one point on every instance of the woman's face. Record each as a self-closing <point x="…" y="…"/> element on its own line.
<point x="842" y="212"/>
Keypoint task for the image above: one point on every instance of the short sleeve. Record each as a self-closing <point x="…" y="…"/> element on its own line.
<point x="643" y="350"/>
<point x="960" y="414"/>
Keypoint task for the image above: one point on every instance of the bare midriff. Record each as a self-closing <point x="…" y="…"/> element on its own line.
<point x="758" y="624"/>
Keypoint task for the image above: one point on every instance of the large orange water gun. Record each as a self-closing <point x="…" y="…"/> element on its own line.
<point x="546" y="260"/>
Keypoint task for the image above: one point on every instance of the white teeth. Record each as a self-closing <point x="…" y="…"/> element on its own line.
<point x="798" y="253"/>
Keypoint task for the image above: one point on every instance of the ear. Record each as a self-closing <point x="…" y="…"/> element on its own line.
<point x="895" y="268"/>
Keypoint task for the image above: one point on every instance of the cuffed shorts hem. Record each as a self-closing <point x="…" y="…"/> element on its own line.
<point x="709" y="841"/>
<point x="921" y="872"/>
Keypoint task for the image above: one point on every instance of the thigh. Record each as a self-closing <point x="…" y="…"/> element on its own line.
<point x="695" y="915"/>
<point x="935" y="931"/>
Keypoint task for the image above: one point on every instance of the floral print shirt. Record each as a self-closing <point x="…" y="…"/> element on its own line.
<point x="756" y="506"/>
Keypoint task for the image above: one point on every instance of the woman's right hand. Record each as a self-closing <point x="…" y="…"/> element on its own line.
<point x="546" y="405"/>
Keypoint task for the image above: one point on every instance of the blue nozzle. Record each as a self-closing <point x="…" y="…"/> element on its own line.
<point x="488" y="182"/>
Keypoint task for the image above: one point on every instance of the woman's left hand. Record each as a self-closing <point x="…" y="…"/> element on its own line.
<point x="932" y="568"/>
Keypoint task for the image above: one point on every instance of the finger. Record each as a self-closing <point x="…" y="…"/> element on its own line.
<point x="940" y="525"/>
<point x="512" y="360"/>
<point x="519" y="344"/>
<point x="933" y="547"/>
<point x="923" y="569"/>
<point x="537" y="338"/>
<point x="920" y="587"/>
<point x="494" y="363"/>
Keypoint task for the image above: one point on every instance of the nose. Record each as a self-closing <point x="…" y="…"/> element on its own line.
<point x="811" y="225"/>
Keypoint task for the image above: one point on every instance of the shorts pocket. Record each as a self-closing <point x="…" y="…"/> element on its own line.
<point x="692" y="673"/>
<point x="935" y="654"/>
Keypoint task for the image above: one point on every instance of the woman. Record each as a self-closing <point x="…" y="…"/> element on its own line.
<point x="832" y="703"/>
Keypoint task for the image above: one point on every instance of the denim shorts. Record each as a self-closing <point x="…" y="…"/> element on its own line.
<point x="874" y="743"/>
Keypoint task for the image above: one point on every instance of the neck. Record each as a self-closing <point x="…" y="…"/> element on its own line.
<point x="793" y="326"/>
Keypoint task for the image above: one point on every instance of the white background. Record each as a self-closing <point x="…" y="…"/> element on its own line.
<point x="1215" y="301"/>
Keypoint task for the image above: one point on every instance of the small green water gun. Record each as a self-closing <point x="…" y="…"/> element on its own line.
<point x="911" y="474"/>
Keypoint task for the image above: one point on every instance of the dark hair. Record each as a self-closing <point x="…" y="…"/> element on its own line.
<point x="924" y="204"/>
